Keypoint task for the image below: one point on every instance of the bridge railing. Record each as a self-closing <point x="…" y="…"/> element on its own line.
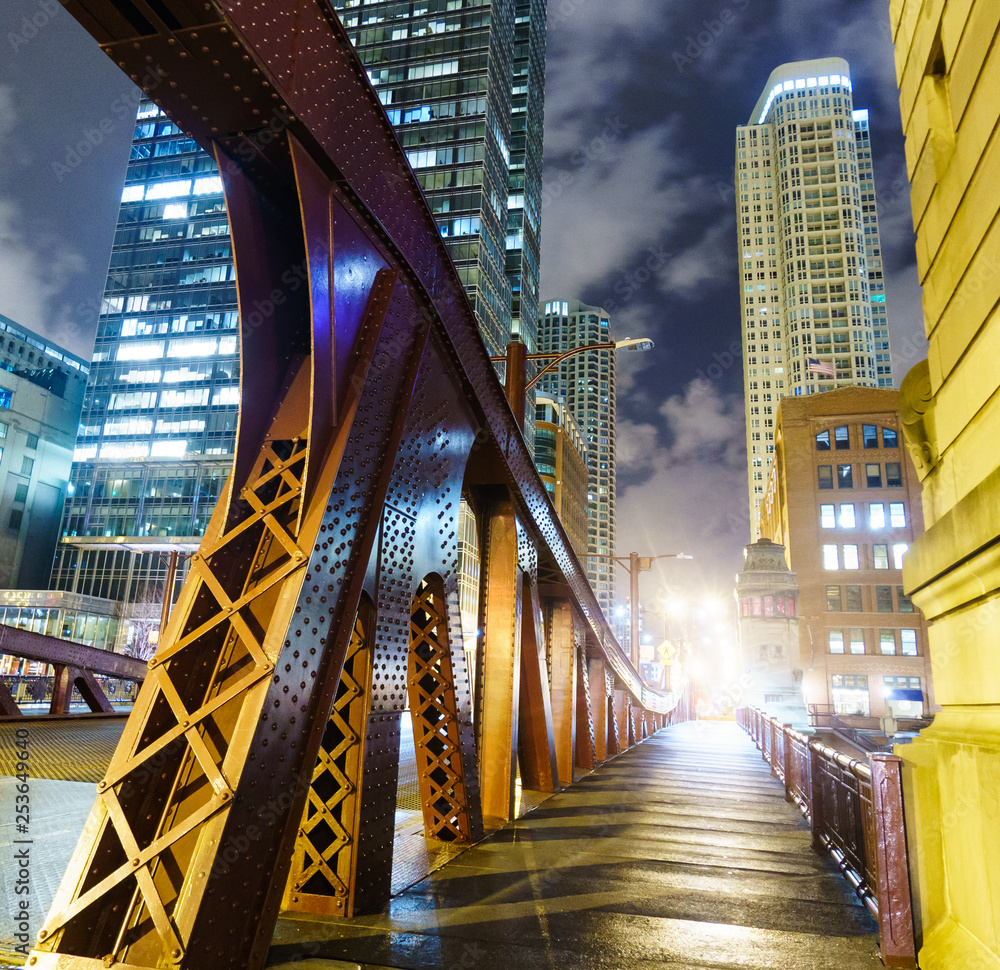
<point x="855" y="813"/>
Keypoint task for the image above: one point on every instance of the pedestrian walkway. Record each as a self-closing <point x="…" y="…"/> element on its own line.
<point x="680" y="853"/>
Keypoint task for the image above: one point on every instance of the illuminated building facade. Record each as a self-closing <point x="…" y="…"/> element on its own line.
<point x="41" y="392"/>
<point x="813" y="300"/>
<point x="156" y="433"/>
<point x="843" y="498"/>
<point x="586" y="382"/>
<point x="560" y="457"/>
<point x="463" y="85"/>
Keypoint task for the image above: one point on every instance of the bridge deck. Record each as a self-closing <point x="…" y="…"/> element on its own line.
<point x="680" y="853"/>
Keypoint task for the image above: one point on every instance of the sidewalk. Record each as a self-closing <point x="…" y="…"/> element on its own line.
<point x="680" y="853"/>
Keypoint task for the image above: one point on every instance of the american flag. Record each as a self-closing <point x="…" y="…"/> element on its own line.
<point x="815" y="366"/>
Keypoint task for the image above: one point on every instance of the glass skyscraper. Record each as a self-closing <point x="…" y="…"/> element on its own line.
<point x="813" y="300"/>
<point x="159" y="414"/>
<point x="462" y="83"/>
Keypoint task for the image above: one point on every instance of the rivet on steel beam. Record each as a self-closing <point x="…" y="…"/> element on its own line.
<point x="43" y="934"/>
<point x="135" y="863"/>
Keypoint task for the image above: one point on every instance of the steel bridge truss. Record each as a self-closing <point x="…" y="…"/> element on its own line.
<point x="258" y="770"/>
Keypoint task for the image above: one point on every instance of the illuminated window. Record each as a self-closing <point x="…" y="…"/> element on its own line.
<point x="876" y="515"/>
<point x="856" y="640"/>
<point x="836" y="641"/>
<point x="831" y="557"/>
<point x="847" y="518"/>
<point x="833" y="604"/>
<point x="897" y="515"/>
<point x="898" y="551"/>
<point x="851" y="560"/>
<point x="827" y="518"/>
<point x="908" y="639"/>
<point x="880" y="555"/>
<point x="887" y="642"/>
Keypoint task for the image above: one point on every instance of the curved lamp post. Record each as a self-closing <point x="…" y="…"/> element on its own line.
<point x="516" y="384"/>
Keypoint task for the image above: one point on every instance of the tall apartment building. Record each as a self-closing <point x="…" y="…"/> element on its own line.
<point x="586" y="383"/>
<point x="813" y="307"/>
<point x="843" y="498"/>
<point x="41" y="392"/>
<point x="462" y="83"/>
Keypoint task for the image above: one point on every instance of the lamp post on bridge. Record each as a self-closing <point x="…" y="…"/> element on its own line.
<point x="516" y="383"/>
<point x="634" y="565"/>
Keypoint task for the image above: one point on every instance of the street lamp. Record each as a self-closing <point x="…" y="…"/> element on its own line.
<point x="634" y="565"/>
<point x="516" y="384"/>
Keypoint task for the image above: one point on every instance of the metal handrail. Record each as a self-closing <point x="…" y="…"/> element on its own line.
<point x="855" y="813"/>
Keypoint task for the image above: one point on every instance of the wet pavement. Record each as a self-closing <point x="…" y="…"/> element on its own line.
<point x="680" y="853"/>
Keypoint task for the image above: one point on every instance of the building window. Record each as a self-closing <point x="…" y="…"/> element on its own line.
<point x="908" y="638"/>
<point x="905" y="604"/>
<point x="887" y="642"/>
<point x="6" y="397"/>
<point x="850" y="694"/>
<point x="27" y="464"/>
<point x="880" y="555"/>
<point x="823" y="441"/>
<point x="898" y="551"/>
<point x="876" y="515"/>
<point x="14" y="522"/>
<point x="3" y="430"/>
<point x="825" y="476"/>
<point x="841" y="437"/>
<point x="889" y="438"/>
<point x="856" y="640"/>
<point x="831" y="558"/>
<point x="873" y="474"/>
<point x="869" y="435"/>
<point x="827" y="517"/>
<point x="845" y="476"/>
<point x="836" y="641"/>
<point x="21" y="493"/>
<point x="893" y="474"/>
<point x="854" y="599"/>
<point x="31" y="441"/>
<point x="847" y="517"/>
<point x="897" y="515"/>
<point x="833" y="604"/>
<point x="883" y="599"/>
<point x="851" y="560"/>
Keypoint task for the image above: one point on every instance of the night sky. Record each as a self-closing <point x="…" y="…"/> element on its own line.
<point x="642" y="100"/>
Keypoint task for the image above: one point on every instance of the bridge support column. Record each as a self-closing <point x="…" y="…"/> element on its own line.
<point x="585" y="749"/>
<point x="599" y="708"/>
<point x="62" y="689"/>
<point x="565" y="694"/>
<point x="8" y="706"/>
<point x="500" y="666"/>
<point x="536" y="737"/>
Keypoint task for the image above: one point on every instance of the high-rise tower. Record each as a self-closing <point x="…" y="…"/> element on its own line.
<point x="813" y="307"/>
<point x="462" y="84"/>
<point x="586" y="383"/>
<point x="159" y="412"/>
